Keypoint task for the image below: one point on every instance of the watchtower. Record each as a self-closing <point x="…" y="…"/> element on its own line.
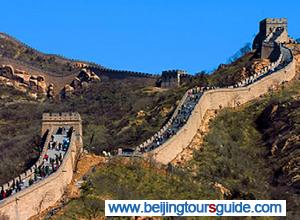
<point x="272" y="31"/>
<point x="53" y="121"/>
<point x="56" y="120"/>
<point x="172" y="78"/>
<point x="270" y="25"/>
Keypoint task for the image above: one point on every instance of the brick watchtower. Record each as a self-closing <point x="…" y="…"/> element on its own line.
<point x="271" y="32"/>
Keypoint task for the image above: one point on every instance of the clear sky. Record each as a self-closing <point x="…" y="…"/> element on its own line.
<point x="143" y="35"/>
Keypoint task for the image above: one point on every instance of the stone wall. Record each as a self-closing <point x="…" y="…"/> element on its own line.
<point x="47" y="192"/>
<point x="269" y="51"/>
<point x="55" y="120"/>
<point x="272" y="31"/>
<point x="249" y="80"/>
<point x="105" y="73"/>
<point x="214" y="99"/>
<point x="30" y="172"/>
<point x="173" y="78"/>
<point x="268" y="25"/>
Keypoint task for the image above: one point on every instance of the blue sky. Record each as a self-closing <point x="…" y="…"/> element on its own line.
<point x="143" y="35"/>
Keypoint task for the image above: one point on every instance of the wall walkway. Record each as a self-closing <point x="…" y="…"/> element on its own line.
<point x="39" y="196"/>
<point x="213" y="99"/>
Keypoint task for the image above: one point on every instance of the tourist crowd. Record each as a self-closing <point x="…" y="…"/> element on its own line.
<point x="52" y="160"/>
<point x="194" y="96"/>
<point x="178" y="121"/>
<point x="60" y="141"/>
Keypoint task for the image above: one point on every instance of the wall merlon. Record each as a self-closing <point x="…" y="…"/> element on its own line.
<point x="211" y="99"/>
<point x="54" y="185"/>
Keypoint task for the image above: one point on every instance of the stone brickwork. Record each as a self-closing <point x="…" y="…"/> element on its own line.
<point x="272" y="31"/>
<point x="214" y="99"/>
<point x="48" y="191"/>
<point x="55" y="120"/>
<point x="106" y="73"/>
<point x="285" y="57"/>
<point x="172" y="78"/>
<point x="269" y="25"/>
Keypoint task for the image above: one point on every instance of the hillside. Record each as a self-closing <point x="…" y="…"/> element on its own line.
<point x="251" y="151"/>
<point x="235" y="162"/>
<point x="114" y="115"/>
<point x="119" y="112"/>
<point x="55" y="69"/>
<point x="229" y="74"/>
<point x="280" y="126"/>
<point x="258" y="156"/>
<point x="57" y="65"/>
<point x="18" y="141"/>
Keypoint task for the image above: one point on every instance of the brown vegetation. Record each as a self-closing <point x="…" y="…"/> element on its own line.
<point x="110" y="112"/>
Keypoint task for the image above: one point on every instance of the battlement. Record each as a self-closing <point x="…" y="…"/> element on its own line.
<point x="62" y="117"/>
<point x="267" y="28"/>
<point x="48" y="189"/>
<point x="119" y="74"/>
<point x="269" y="25"/>
<point x="274" y="21"/>
<point x="56" y="120"/>
<point x="173" y="78"/>
<point x="172" y="73"/>
<point x="272" y="32"/>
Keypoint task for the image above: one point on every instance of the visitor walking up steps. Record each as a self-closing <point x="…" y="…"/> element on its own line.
<point x="181" y="118"/>
<point x="53" y="158"/>
<point x="193" y="96"/>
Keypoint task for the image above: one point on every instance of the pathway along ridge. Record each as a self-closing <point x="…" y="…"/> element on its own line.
<point x="192" y="97"/>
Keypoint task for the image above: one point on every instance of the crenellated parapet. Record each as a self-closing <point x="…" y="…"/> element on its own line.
<point x="178" y="132"/>
<point x="55" y="120"/>
<point x="99" y="69"/>
<point x="40" y="187"/>
<point x="271" y="77"/>
<point x="119" y="74"/>
<point x="163" y="148"/>
<point x="173" y="78"/>
<point x="272" y="33"/>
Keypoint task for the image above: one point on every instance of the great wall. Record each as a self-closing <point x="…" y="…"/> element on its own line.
<point x="171" y="140"/>
<point x="216" y="99"/>
<point x="46" y="192"/>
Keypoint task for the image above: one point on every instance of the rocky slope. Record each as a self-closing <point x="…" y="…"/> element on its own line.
<point x="41" y="85"/>
<point x="12" y="49"/>
<point x="280" y="125"/>
<point x="124" y="113"/>
<point x="243" y="67"/>
<point x="115" y="113"/>
<point x="46" y="75"/>
<point x="55" y="69"/>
